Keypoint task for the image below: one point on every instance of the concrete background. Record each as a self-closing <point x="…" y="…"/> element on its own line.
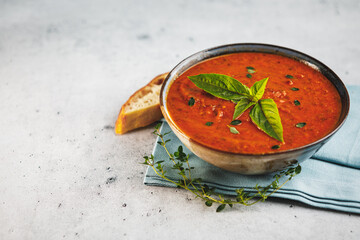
<point x="66" y="67"/>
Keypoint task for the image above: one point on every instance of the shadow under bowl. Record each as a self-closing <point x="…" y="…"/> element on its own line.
<point x="250" y="164"/>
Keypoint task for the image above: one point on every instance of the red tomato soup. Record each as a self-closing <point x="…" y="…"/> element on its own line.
<point x="302" y="95"/>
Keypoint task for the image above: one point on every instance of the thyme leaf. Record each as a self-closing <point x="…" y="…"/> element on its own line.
<point x="300" y="125"/>
<point x="235" y="122"/>
<point x="233" y="130"/>
<point x="191" y="102"/>
<point x="209" y="123"/>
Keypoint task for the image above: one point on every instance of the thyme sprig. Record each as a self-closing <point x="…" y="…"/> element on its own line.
<point x="180" y="162"/>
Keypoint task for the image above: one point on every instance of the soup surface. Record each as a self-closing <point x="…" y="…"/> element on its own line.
<point x="302" y="95"/>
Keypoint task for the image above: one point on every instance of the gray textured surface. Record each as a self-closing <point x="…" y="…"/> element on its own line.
<point x="66" y="67"/>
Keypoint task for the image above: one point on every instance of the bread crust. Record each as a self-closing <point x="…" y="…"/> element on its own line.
<point x="141" y="117"/>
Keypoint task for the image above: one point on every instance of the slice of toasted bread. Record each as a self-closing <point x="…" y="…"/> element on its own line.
<point x="142" y="108"/>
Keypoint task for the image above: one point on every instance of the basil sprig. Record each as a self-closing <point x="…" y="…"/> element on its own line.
<point x="264" y="114"/>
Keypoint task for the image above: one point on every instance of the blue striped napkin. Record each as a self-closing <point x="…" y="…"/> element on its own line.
<point x="330" y="179"/>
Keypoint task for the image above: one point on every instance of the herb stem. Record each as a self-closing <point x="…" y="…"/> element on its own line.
<point x="201" y="190"/>
<point x="173" y="160"/>
<point x="162" y="176"/>
<point x="187" y="162"/>
<point x="175" y="183"/>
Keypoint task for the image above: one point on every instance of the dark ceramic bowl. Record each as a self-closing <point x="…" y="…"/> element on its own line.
<point x="253" y="163"/>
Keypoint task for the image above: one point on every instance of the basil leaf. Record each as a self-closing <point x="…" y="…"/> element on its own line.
<point x="258" y="89"/>
<point x="248" y="75"/>
<point x="241" y="107"/>
<point x="294" y="89"/>
<point x="221" y="86"/>
<point x="209" y="123"/>
<point x="275" y="147"/>
<point x="249" y="67"/>
<point x="289" y="76"/>
<point x="297" y="102"/>
<point x="266" y="116"/>
<point x="251" y="71"/>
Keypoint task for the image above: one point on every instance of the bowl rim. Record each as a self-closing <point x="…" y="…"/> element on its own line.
<point x="344" y="109"/>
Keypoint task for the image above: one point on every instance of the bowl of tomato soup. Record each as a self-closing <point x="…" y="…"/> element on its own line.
<point x="253" y="108"/>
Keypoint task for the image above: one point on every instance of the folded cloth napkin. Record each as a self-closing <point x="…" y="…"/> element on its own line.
<point x="330" y="179"/>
